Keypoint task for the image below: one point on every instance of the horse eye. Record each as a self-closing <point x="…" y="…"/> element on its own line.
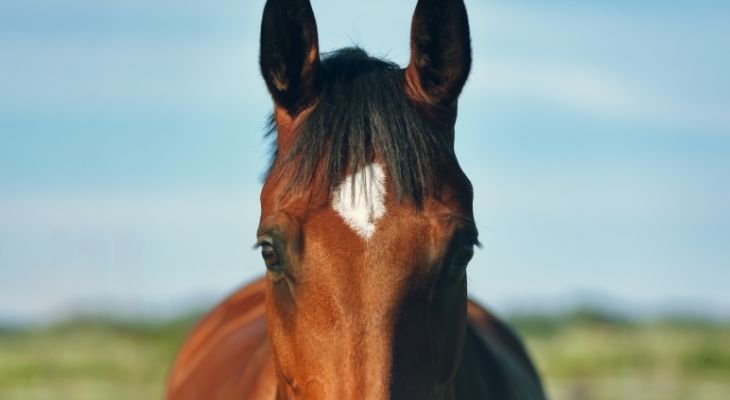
<point x="269" y="255"/>
<point x="463" y="257"/>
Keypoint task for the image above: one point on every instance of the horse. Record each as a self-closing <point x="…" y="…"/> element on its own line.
<point x="366" y="231"/>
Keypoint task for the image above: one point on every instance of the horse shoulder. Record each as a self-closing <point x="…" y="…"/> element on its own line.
<point x="227" y="355"/>
<point x="495" y="364"/>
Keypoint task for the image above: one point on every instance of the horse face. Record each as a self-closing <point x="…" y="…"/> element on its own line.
<point x="366" y="294"/>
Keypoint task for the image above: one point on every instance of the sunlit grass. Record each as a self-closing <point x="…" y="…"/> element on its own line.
<point x="582" y="356"/>
<point x="89" y="360"/>
<point x="618" y="359"/>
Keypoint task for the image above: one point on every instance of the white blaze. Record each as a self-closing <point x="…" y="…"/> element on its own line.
<point x="360" y="200"/>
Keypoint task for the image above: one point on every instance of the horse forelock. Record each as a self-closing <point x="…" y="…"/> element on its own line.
<point x="362" y="116"/>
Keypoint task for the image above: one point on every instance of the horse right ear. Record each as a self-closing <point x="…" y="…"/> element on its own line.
<point x="289" y="57"/>
<point x="440" y="52"/>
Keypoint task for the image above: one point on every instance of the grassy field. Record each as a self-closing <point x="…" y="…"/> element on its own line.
<point x="583" y="356"/>
<point x="586" y="356"/>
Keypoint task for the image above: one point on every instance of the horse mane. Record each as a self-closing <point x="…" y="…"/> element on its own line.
<point x="362" y="115"/>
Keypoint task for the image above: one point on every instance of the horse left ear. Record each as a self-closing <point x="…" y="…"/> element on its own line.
<point x="440" y="52"/>
<point x="289" y="57"/>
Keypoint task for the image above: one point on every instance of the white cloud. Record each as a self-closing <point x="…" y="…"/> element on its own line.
<point x="59" y="250"/>
<point x="132" y="211"/>
<point x="129" y="74"/>
<point x="606" y="61"/>
<point x="601" y="196"/>
<point x="590" y="91"/>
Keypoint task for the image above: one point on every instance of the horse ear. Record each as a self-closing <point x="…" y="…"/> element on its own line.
<point x="289" y="57"/>
<point x="440" y="52"/>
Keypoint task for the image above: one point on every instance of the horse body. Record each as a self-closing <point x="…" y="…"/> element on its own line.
<point x="228" y="356"/>
<point x="366" y="231"/>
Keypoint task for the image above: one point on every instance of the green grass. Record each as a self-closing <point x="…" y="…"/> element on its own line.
<point x="89" y="359"/>
<point x="582" y="356"/>
<point x="586" y="358"/>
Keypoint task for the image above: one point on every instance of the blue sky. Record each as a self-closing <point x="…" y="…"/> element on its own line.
<point x="597" y="135"/>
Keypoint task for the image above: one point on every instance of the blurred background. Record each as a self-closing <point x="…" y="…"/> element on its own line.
<point x="596" y="133"/>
